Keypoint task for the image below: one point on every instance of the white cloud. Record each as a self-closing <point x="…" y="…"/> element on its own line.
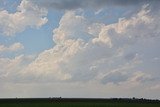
<point x="14" y="47"/>
<point x="11" y="68"/>
<point x="140" y="77"/>
<point x="90" y="54"/>
<point x="79" y="48"/>
<point x="71" y="26"/>
<point x="27" y="15"/>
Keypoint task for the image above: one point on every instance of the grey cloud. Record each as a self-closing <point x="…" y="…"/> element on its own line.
<point x="75" y="4"/>
<point x="130" y="56"/>
<point x="120" y="77"/>
<point x="114" y="77"/>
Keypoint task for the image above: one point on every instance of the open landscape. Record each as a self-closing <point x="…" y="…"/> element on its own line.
<point x="78" y="102"/>
<point x="79" y="53"/>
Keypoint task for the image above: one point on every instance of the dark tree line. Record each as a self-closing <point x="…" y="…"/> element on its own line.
<point x="59" y="99"/>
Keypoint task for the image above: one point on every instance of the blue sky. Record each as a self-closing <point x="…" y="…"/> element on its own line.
<point x="29" y="37"/>
<point x="79" y="48"/>
<point x="44" y="33"/>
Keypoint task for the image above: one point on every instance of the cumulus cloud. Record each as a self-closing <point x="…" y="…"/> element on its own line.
<point x="27" y="15"/>
<point x="90" y="56"/>
<point x="11" y="48"/>
<point x="118" y="59"/>
<point x="86" y="51"/>
<point x="11" y="68"/>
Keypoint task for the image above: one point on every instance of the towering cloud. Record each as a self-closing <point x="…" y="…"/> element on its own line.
<point x="85" y="53"/>
<point x="27" y="15"/>
<point x="88" y="57"/>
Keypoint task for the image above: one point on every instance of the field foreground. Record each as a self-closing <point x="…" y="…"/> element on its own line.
<point x="68" y="102"/>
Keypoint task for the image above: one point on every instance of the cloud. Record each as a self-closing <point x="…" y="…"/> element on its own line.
<point x="140" y="77"/>
<point x="115" y="78"/>
<point x="27" y="15"/>
<point x="75" y="4"/>
<point x="156" y="87"/>
<point x="11" y="68"/>
<point x="83" y="52"/>
<point x="90" y="56"/>
<point x="86" y="51"/>
<point x="14" y="47"/>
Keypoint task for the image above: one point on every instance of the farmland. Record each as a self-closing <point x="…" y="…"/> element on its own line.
<point x="68" y="102"/>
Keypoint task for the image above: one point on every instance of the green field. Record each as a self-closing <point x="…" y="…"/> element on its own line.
<point x="79" y="104"/>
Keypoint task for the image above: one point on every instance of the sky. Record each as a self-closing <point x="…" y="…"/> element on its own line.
<point x="80" y="48"/>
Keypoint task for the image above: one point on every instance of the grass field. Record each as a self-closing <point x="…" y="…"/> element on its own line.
<point x="77" y="103"/>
